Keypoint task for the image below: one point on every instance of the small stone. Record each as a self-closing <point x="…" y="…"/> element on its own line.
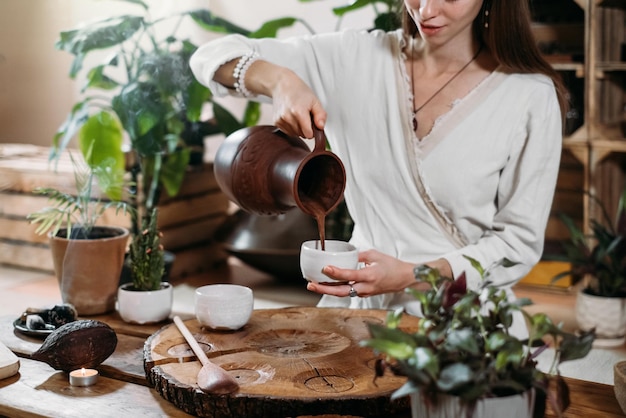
<point x="35" y="322"/>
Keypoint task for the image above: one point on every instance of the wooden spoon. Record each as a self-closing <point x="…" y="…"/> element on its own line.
<point x="211" y="378"/>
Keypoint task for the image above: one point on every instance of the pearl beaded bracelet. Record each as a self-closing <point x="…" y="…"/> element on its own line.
<point x="239" y="73"/>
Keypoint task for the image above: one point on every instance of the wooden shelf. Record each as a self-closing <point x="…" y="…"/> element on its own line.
<point x="577" y="67"/>
<point x="601" y="149"/>
<point x="594" y="155"/>
<point x="606" y="66"/>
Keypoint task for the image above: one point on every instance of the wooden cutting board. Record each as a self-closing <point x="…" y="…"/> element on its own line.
<point x="9" y="363"/>
<point x="289" y="362"/>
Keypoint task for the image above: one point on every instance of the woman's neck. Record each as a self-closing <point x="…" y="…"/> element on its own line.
<point x="448" y="58"/>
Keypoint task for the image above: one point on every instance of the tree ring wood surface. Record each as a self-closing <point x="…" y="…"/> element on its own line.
<point x="288" y="362"/>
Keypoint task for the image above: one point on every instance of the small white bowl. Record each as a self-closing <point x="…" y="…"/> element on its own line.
<point x="225" y="307"/>
<point x="336" y="253"/>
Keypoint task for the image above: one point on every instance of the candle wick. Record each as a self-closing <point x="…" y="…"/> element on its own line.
<point x="82" y="371"/>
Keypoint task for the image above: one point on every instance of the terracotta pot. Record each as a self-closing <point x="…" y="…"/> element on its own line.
<point x="447" y="406"/>
<point x="266" y="172"/>
<point x="145" y="306"/>
<point x="606" y="314"/>
<point x="88" y="270"/>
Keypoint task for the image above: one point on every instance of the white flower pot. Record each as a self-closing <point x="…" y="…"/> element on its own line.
<point x="606" y="315"/>
<point x="145" y="306"/>
<point x="518" y="406"/>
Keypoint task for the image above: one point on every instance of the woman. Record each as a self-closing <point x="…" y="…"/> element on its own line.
<point x="450" y="131"/>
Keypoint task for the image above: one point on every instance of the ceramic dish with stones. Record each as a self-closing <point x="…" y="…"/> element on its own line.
<point x="42" y="322"/>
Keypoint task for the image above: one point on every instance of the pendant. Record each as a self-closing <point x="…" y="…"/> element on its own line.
<point x="414" y="123"/>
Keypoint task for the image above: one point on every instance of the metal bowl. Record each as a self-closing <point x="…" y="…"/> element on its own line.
<point x="270" y="243"/>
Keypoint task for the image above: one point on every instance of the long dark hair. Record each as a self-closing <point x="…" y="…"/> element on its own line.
<point x="510" y="39"/>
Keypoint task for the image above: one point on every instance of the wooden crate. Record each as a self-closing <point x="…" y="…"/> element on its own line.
<point x="188" y="221"/>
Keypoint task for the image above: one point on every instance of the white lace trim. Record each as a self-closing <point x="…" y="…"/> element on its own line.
<point x="403" y="42"/>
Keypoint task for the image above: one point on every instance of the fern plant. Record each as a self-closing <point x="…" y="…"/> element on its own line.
<point x="78" y="213"/>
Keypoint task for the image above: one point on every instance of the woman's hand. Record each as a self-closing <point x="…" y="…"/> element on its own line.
<point x="295" y="105"/>
<point x="381" y="274"/>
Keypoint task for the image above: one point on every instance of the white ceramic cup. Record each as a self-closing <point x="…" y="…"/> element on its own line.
<point x="225" y="307"/>
<point x="336" y="253"/>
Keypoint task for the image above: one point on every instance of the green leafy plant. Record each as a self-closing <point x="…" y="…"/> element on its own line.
<point x="100" y="168"/>
<point x="147" y="256"/>
<point x="597" y="260"/>
<point x="463" y="347"/>
<point x="147" y="89"/>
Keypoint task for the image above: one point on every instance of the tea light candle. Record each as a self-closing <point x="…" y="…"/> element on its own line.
<point x="83" y="377"/>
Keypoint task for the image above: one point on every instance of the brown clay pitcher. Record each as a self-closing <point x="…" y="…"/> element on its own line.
<point x="267" y="172"/>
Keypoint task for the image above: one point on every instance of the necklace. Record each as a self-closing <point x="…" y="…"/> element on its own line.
<point x="440" y="88"/>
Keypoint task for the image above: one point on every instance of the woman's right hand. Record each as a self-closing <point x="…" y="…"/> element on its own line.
<point x="296" y="105"/>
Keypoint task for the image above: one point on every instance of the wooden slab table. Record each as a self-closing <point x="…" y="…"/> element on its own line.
<point x="123" y="390"/>
<point x="288" y="362"/>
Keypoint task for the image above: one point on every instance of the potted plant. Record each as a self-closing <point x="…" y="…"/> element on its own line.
<point x="87" y="257"/>
<point x="598" y="270"/>
<point x="148" y="297"/>
<point x="462" y="357"/>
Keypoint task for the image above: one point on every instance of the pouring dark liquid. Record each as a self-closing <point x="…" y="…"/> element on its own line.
<point x="267" y="172"/>
<point x="321" y="228"/>
<point x="317" y="210"/>
<point x="316" y="195"/>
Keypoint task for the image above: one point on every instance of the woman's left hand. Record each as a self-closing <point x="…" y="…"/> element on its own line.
<point x="381" y="274"/>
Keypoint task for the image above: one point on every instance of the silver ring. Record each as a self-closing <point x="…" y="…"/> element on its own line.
<point x="353" y="292"/>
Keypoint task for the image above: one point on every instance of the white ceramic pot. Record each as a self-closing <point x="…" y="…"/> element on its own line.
<point x="144" y="306"/>
<point x="606" y="315"/>
<point x="518" y="406"/>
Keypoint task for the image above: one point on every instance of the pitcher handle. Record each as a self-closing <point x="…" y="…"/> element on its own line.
<point x="320" y="139"/>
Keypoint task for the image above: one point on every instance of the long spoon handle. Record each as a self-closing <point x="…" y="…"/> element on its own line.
<point x="199" y="352"/>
